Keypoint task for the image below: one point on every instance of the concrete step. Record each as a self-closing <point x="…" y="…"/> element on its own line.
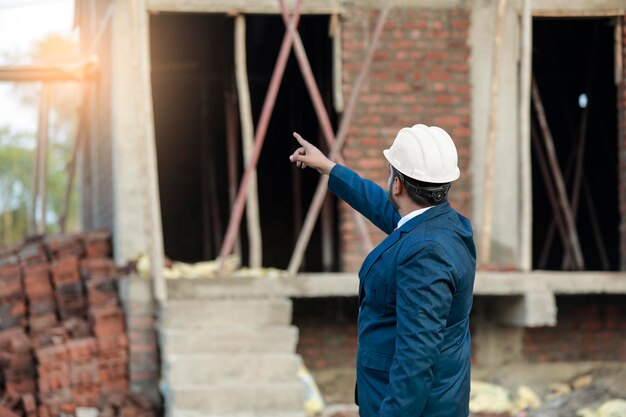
<point x="179" y="412"/>
<point x="202" y="368"/>
<point x="226" y="339"/>
<point x="178" y="314"/>
<point x="232" y="398"/>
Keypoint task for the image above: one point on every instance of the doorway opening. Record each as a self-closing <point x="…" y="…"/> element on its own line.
<point x="573" y="65"/>
<point x="193" y="84"/>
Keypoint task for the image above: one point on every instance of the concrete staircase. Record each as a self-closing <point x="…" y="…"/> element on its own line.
<point x="229" y="356"/>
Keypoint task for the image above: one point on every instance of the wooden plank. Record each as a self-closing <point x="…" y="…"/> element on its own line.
<point x="595" y="225"/>
<point x="485" y="235"/>
<point x="81" y="131"/>
<point x="241" y="6"/>
<point x="552" y="196"/>
<point x="259" y="137"/>
<point x="80" y="71"/>
<point x="42" y="151"/>
<point x="205" y="171"/>
<point x="335" y="34"/>
<point x="255" y="241"/>
<point x="619" y="51"/>
<point x="232" y="153"/>
<point x="558" y="179"/>
<point x="525" y="158"/>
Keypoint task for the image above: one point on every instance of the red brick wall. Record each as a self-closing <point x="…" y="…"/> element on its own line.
<point x="589" y="328"/>
<point x="621" y="110"/>
<point x="327" y="331"/>
<point x="420" y="74"/>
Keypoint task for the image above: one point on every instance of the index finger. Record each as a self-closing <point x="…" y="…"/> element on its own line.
<point x="300" y="139"/>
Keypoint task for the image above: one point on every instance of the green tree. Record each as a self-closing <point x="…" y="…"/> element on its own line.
<point x="17" y="149"/>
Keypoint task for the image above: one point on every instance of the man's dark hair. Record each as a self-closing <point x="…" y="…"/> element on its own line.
<point x="423" y="193"/>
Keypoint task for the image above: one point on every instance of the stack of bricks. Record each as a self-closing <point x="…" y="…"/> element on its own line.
<point x="59" y="300"/>
<point x="38" y="287"/>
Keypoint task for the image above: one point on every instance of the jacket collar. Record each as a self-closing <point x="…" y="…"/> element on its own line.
<point x="395" y="236"/>
<point x="427" y="215"/>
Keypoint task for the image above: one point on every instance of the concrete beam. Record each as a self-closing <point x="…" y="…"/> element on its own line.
<point x="241" y="6"/>
<point x="520" y="299"/>
<point x="578" y="8"/>
<point x="534" y="309"/>
<point x="310" y="285"/>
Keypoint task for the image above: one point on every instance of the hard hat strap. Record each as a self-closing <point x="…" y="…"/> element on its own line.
<point x="436" y="194"/>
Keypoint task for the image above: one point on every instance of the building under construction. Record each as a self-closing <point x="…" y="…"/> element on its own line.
<point x="184" y="149"/>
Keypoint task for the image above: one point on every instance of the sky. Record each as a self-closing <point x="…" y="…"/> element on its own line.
<point x="22" y="23"/>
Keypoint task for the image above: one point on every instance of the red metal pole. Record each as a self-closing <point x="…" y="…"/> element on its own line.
<point x="259" y="137"/>
<point x="318" y="199"/>
<point x="322" y="114"/>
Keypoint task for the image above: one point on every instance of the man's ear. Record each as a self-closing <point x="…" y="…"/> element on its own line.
<point x="397" y="186"/>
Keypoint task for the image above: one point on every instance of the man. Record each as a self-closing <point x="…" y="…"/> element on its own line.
<point x="415" y="292"/>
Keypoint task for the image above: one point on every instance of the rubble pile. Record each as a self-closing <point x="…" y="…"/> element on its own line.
<point x="63" y="344"/>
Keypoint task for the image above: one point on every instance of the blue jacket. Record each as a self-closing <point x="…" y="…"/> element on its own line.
<point x="415" y="297"/>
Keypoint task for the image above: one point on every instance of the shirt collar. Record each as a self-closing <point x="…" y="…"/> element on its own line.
<point x="411" y="215"/>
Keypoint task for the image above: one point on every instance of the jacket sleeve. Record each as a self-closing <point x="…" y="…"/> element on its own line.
<point x="425" y="286"/>
<point x="365" y="196"/>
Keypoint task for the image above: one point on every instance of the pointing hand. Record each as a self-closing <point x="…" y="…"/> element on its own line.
<point x="308" y="155"/>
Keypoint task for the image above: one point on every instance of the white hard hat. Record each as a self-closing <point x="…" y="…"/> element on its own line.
<point x="424" y="153"/>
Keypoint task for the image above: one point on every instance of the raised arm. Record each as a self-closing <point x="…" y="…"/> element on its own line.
<point x="363" y="195"/>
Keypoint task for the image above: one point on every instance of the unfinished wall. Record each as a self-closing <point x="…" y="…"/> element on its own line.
<point x="420" y="74"/>
<point x="589" y="328"/>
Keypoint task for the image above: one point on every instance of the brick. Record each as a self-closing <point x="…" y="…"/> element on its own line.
<point x="6" y="412"/>
<point x="29" y="404"/>
<point x="77" y="328"/>
<point x="10" y="285"/>
<point x="18" y="360"/>
<point x="33" y="254"/>
<point x="42" y="322"/>
<point x="98" y="244"/>
<point x="98" y="268"/>
<point x="113" y="342"/>
<point x="81" y="349"/>
<point x="43" y="411"/>
<point x="65" y="246"/>
<point x="36" y="286"/>
<point x="12" y="307"/>
<point x="21" y="386"/>
<point x="85" y="372"/>
<point x="117" y="385"/>
<point x="52" y="354"/>
<point x="40" y="305"/>
<point x="10" y="266"/>
<point x="112" y="371"/>
<point x="102" y="292"/>
<point x="107" y="321"/>
<point x="14" y="340"/>
<point x="49" y="337"/>
<point x="66" y="271"/>
<point x="86" y="396"/>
